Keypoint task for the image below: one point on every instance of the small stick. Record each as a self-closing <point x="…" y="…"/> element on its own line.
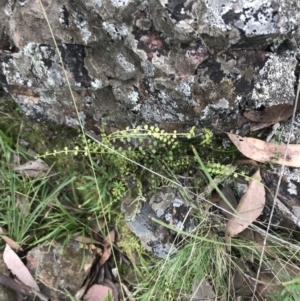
<point x="21" y="288"/>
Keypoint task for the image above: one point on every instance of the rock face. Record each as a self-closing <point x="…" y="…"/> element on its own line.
<point x="159" y="61"/>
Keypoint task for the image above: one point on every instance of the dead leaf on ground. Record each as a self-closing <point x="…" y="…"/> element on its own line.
<point x="202" y="290"/>
<point x="23" y="205"/>
<point x="17" y="267"/>
<point x="271" y="114"/>
<point x="10" y="241"/>
<point x="83" y="239"/>
<point x="230" y="197"/>
<point x="32" y="168"/>
<point x="107" y="246"/>
<point x="86" y="242"/>
<point x="240" y="285"/>
<point x="249" y="208"/>
<point x="97" y="292"/>
<point x="261" y="151"/>
<point x="255" y="126"/>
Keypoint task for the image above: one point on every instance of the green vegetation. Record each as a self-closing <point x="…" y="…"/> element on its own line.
<point x="59" y="203"/>
<point x="88" y="180"/>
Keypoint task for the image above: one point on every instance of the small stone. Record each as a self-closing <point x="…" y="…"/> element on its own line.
<point x="59" y="268"/>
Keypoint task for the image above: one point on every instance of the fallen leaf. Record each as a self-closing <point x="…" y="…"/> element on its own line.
<point x="271" y="114"/>
<point x="261" y="151"/>
<point x="240" y="285"/>
<point x="249" y="208"/>
<point x="107" y="244"/>
<point x="83" y="239"/>
<point x="10" y="241"/>
<point x="202" y="290"/>
<point x="230" y="197"/>
<point x="255" y="126"/>
<point x="97" y="292"/>
<point x="32" y="168"/>
<point x="17" y="267"/>
<point x="23" y="205"/>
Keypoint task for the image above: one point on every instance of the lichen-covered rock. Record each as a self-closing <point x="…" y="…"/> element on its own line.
<point x="159" y="61"/>
<point x="166" y="205"/>
<point x="59" y="268"/>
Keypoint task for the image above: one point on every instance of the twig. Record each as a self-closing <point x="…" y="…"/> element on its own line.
<point x="21" y="288"/>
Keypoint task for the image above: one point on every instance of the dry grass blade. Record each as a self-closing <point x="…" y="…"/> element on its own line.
<point x="262" y="151"/>
<point x="249" y="208"/>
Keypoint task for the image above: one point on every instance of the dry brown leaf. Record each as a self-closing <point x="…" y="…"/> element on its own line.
<point x="240" y="286"/>
<point x="83" y="239"/>
<point x="107" y="244"/>
<point x="23" y="205"/>
<point x="85" y="242"/>
<point x="261" y="151"/>
<point x="10" y="241"/>
<point x="255" y="126"/>
<point x="17" y="267"/>
<point x="97" y="292"/>
<point x="202" y="290"/>
<point x="230" y="197"/>
<point x="272" y="114"/>
<point x="249" y="208"/>
<point x="32" y="168"/>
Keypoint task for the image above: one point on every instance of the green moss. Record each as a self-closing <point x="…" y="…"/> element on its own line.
<point x="42" y="137"/>
<point x="129" y="242"/>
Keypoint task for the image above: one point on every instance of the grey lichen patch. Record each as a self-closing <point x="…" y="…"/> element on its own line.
<point x="127" y="66"/>
<point x="96" y="84"/>
<point x="42" y="65"/>
<point x="292" y="188"/>
<point x="38" y="68"/>
<point x="148" y="68"/>
<point x="82" y="23"/>
<point x="218" y="106"/>
<point x="168" y="205"/>
<point x="48" y="97"/>
<point x="23" y="2"/>
<point x="119" y="3"/>
<point x="257" y="17"/>
<point x="165" y="98"/>
<point x="115" y="32"/>
<point x="294" y="135"/>
<point x="270" y="89"/>
<point x="134" y="96"/>
<point x="98" y="3"/>
<point x="31" y="108"/>
<point x="13" y="74"/>
<point x="70" y="121"/>
<point x="184" y="87"/>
